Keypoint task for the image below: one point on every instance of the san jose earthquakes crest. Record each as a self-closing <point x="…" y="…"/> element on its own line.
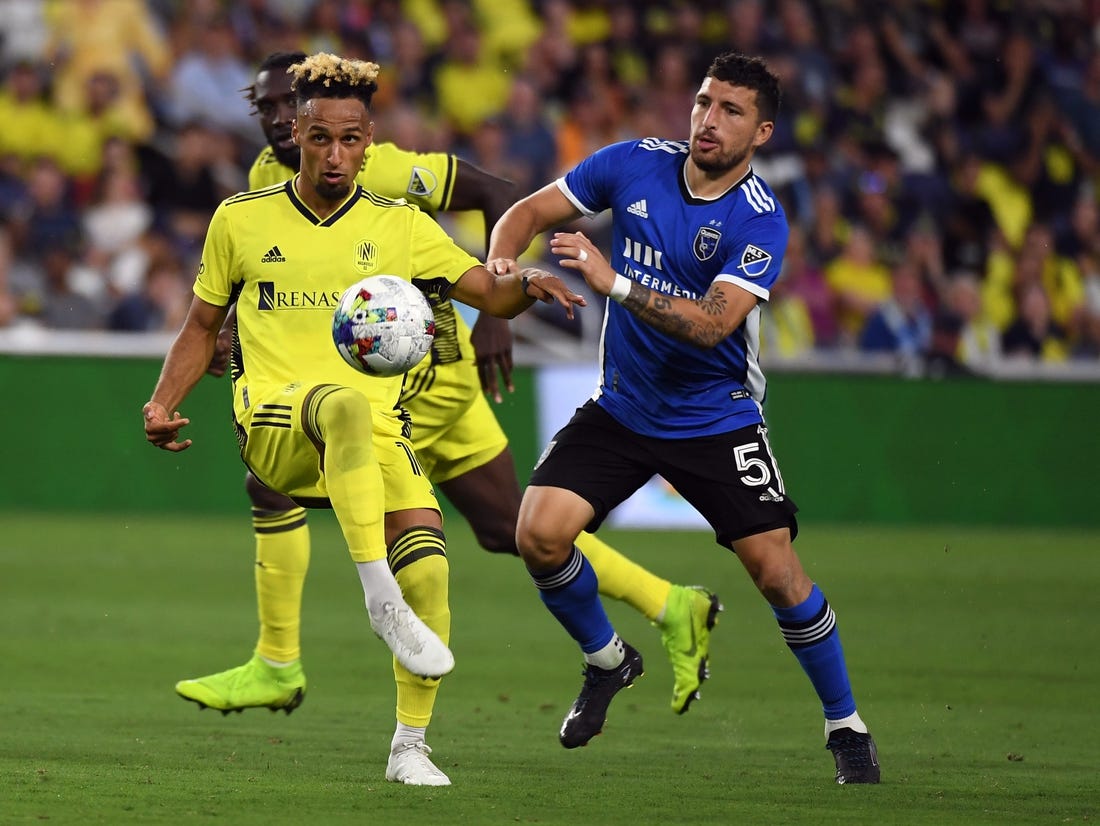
<point x="706" y="242"/>
<point x="754" y="261"/>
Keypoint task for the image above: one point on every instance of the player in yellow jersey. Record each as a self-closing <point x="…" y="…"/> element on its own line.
<point x="457" y="438"/>
<point x="308" y="426"/>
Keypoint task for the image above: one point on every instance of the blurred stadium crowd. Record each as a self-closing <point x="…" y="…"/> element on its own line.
<point x="939" y="161"/>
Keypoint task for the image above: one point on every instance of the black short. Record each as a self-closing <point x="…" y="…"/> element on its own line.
<point x="732" y="479"/>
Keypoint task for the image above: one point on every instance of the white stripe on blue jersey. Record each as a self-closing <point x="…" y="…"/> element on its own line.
<point x="760" y="200"/>
<point x="677" y="244"/>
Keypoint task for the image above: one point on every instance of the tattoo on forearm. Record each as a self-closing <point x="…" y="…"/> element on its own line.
<point x="713" y="303"/>
<point x="657" y="310"/>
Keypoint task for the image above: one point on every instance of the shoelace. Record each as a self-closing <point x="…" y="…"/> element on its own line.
<point x="390" y="621"/>
<point x="423" y="748"/>
<point x="594" y="675"/>
<point x="856" y="751"/>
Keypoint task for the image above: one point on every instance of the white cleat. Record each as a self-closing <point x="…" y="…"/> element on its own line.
<point x="409" y="764"/>
<point x="414" y="644"/>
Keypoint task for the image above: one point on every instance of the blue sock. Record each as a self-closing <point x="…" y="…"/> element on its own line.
<point x="810" y="631"/>
<point x="572" y="594"/>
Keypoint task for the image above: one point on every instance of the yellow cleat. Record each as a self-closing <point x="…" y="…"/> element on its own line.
<point x="252" y="685"/>
<point x="690" y="615"/>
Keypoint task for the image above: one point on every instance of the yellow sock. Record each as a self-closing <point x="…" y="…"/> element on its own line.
<point x="418" y="560"/>
<point x="282" y="558"/>
<point x="623" y="579"/>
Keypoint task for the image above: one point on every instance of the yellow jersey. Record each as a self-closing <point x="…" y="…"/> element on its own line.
<point x="423" y="178"/>
<point x="286" y="268"/>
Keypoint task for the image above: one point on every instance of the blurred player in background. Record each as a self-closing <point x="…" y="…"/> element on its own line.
<point x="308" y="426"/>
<point x="698" y="240"/>
<point x="458" y="442"/>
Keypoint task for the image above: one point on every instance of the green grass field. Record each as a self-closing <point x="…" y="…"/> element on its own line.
<point x="973" y="654"/>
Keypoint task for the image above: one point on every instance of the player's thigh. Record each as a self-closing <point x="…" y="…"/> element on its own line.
<point x="264" y="498"/>
<point x="488" y="497"/>
<point x="275" y="445"/>
<point x="596" y="458"/>
<point x="733" y="480"/>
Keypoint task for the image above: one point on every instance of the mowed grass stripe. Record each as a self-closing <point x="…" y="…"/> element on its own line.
<point x="972" y="653"/>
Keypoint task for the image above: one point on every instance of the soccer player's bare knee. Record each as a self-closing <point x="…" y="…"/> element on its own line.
<point x="782" y="581"/>
<point x="774" y="582"/>
<point x="496" y="535"/>
<point x="264" y="498"/>
<point x="493" y="521"/>
<point x="542" y="543"/>
<point x="489" y="498"/>
<point x="775" y="568"/>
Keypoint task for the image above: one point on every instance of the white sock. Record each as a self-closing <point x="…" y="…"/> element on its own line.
<point x="609" y="657"/>
<point x="276" y="663"/>
<point x="659" y="620"/>
<point x="379" y="586"/>
<point x="852" y="721"/>
<point x="406" y="735"/>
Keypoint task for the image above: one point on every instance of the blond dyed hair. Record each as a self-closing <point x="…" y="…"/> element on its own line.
<point x="331" y="76"/>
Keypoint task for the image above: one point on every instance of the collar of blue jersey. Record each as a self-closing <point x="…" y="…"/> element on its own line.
<point x="693" y="199"/>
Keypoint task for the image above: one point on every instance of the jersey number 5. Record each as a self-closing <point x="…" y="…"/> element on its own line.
<point x="754" y="471"/>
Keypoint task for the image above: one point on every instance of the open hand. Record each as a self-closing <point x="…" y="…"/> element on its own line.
<point x="547" y="288"/>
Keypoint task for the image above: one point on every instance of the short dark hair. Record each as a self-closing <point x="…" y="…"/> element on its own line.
<point x="751" y="73"/>
<point x="324" y="75"/>
<point x="275" y="61"/>
<point x="280" y="60"/>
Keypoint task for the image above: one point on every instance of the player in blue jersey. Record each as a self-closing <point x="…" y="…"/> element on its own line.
<point x="698" y="239"/>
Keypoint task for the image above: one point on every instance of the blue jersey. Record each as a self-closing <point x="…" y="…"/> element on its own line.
<point x="675" y="243"/>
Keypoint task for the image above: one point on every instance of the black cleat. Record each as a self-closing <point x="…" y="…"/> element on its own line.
<point x="855" y="755"/>
<point x="589" y="712"/>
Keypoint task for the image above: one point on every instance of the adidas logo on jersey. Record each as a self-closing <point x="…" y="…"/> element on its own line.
<point x="638" y="208"/>
<point x="273" y="256"/>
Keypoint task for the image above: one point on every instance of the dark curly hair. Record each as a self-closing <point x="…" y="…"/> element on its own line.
<point x="751" y="73"/>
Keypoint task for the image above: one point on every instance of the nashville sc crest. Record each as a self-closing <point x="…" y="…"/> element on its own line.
<point x="366" y="256"/>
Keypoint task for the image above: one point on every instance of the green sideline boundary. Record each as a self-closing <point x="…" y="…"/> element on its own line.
<point x="853" y="448"/>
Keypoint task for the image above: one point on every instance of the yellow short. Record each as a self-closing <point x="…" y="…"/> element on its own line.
<point x="454" y="427"/>
<point x="280" y="453"/>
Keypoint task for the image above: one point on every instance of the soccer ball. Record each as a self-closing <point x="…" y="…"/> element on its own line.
<point x="383" y="325"/>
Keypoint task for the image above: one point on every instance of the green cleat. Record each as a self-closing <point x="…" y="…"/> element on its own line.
<point x="252" y="685"/>
<point x="690" y="614"/>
